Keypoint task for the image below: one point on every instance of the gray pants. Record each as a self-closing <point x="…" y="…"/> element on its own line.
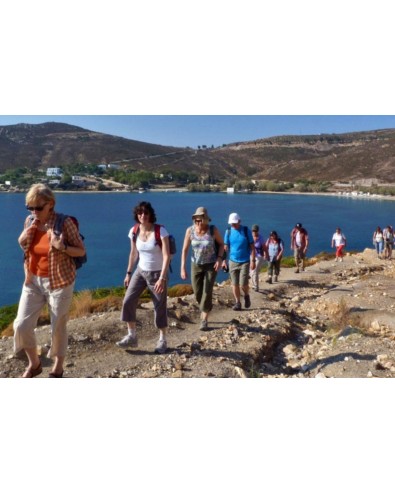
<point x="203" y="279"/>
<point x="141" y="280"/>
<point x="34" y="296"/>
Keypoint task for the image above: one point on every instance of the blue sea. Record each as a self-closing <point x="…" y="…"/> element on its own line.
<point x="105" y="220"/>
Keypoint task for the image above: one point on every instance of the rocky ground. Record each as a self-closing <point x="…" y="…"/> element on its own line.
<point x="333" y="320"/>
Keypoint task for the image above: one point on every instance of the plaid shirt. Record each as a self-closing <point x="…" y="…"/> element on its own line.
<point x="61" y="267"/>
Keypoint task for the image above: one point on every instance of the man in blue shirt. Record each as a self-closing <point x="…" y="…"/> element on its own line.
<point x="239" y="245"/>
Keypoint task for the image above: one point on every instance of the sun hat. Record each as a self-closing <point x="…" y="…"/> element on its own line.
<point x="201" y="211"/>
<point x="234" y="218"/>
<point x="255" y="227"/>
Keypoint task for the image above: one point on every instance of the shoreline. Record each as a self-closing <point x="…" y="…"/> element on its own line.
<point x="345" y="195"/>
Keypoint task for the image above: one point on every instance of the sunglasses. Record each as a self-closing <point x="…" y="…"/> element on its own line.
<point x="38" y="209"/>
<point x="198" y="220"/>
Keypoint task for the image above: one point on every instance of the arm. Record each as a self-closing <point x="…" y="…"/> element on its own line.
<point x="281" y="250"/>
<point x="69" y="242"/>
<point x="161" y="282"/>
<point x="252" y="257"/>
<point x="133" y="255"/>
<point x="221" y="248"/>
<point x="184" y="253"/>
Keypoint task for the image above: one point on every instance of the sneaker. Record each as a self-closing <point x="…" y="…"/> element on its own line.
<point x="275" y="278"/>
<point x="256" y="290"/>
<point x="296" y="271"/>
<point x="269" y="279"/>
<point x="237" y="306"/>
<point x="161" y="347"/>
<point x="247" y="301"/>
<point x="204" y="325"/>
<point x="128" y="341"/>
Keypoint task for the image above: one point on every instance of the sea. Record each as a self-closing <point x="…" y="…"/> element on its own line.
<point x="106" y="218"/>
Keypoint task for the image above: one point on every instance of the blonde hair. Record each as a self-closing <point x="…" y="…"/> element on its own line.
<point x="40" y="191"/>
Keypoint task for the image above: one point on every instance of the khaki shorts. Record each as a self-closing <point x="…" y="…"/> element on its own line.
<point x="239" y="273"/>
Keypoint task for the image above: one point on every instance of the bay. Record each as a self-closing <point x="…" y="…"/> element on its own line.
<point x="105" y="220"/>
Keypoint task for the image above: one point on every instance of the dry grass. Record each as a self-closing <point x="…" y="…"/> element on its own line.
<point x="81" y="304"/>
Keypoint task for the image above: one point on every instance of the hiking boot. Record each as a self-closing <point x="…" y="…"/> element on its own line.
<point x="247" y="301"/>
<point x="204" y="325"/>
<point x="256" y="289"/>
<point x="275" y="278"/>
<point x="269" y="279"/>
<point x="128" y="341"/>
<point x="296" y="271"/>
<point x="237" y="306"/>
<point x="161" y="347"/>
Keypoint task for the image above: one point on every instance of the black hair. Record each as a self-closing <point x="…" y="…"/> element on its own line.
<point x="144" y="207"/>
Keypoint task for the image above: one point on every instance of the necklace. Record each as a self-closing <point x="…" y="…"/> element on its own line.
<point x="145" y="233"/>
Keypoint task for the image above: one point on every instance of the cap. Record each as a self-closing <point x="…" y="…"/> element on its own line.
<point x="233" y="218"/>
<point x="255" y="227"/>
<point x="201" y="211"/>
<point x="298" y="225"/>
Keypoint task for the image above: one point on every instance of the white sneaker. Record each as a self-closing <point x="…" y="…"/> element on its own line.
<point x="128" y="341"/>
<point x="161" y="347"/>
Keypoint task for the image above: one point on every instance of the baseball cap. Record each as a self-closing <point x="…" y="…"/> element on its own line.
<point x="255" y="227"/>
<point x="233" y="218"/>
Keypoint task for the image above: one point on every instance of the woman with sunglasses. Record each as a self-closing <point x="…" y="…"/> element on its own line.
<point x="153" y="255"/>
<point x="207" y="254"/>
<point x="49" y="279"/>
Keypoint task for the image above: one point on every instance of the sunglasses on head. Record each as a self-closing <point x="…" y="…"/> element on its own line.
<point x="38" y="208"/>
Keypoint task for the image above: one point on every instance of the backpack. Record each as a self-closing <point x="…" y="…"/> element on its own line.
<point x="58" y="228"/>
<point x="158" y="240"/>
<point x="216" y="246"/>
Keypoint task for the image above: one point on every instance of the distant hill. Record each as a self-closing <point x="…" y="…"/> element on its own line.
<point x="330" y="157"/>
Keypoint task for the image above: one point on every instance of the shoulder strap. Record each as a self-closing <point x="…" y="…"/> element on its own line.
<point x="246" y="232"/>
<point x="59" y="221"/>
<point x="212" y="229"/>
<point x="135" y="231"/>
<point x="157" y="235"/>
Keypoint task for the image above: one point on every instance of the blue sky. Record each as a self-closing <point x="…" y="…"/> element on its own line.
<point x="210" y="130"/>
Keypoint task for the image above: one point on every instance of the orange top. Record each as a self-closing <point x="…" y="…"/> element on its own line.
<point x="39" y="254"/>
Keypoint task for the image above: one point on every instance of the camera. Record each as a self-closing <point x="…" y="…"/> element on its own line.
<point x="225" y="268"/>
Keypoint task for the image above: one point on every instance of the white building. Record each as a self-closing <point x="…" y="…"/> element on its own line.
<point x="54" y="172"/>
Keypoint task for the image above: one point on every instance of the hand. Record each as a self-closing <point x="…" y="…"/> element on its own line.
<point x="57" y="242"/>
<point x="160" y="285"/>
<point x="217" y="265"/>
<point x="184" y="274"/>
<point x="126" y="281"/>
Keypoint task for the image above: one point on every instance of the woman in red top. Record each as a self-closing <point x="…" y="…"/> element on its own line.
<point x="49" y="278"/>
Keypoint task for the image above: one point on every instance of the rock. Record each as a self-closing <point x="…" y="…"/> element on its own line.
<point x="240" y="372"/>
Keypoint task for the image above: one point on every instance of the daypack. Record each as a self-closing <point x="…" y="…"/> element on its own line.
<point x="158" y="240"/>
<point x="58" y="228"/>
<point x="215" y="243"/>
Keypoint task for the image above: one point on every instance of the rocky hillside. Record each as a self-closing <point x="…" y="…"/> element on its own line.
<point x="351" y="156"/>
<point x="333" y="320"/>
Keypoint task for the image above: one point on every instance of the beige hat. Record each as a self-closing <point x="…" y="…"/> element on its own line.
<point x="201" y="211"/>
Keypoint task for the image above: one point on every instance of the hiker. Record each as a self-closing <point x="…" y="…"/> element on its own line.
<point x="388" y="235"/>
<point x="339" y="242"/>
<point x="50" y="274"/>
<point x="275" y="248"/>
<point x="299" y="244"/>
<point x="149" y="245"/>
<point x="239" y="247"/>
<point x="207" y="255"/>
<point x="378" y="241"/>
<point x="260" y="256"/>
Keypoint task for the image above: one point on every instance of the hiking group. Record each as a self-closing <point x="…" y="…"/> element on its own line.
<point x="54" y="249"/>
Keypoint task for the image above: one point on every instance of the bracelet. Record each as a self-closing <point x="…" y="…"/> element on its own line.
<point x="128" y="273"/>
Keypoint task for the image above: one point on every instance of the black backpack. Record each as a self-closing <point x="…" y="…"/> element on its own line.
<point x="58" y="228"/>
<point x="215" y="243"/>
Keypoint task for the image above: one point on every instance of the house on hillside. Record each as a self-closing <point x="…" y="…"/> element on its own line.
<point x="54" y="172"/>
<point x="113" y="166"/>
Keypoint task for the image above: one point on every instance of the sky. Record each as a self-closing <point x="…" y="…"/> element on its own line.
<point x="195" y="130"/>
